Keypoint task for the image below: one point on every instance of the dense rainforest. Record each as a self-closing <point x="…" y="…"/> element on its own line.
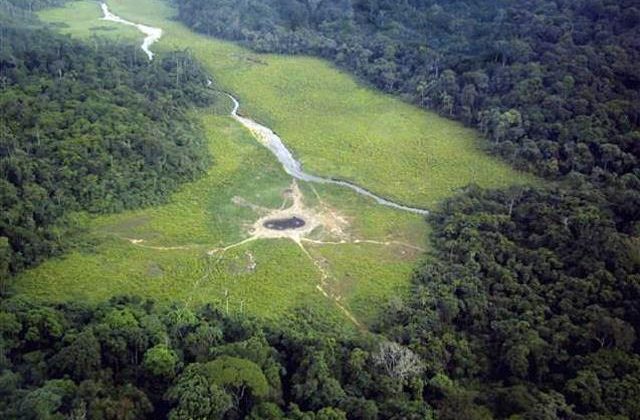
<point x="128" y="359"/>
<point x="532" y="299"/>
<point x="527" y="307"/>
<point x="86" y="127"/>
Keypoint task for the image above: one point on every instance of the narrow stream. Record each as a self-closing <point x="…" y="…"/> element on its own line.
<point x="152" y="34"/>
<point x="263" y="134"/>
<point x="274" y="143"/>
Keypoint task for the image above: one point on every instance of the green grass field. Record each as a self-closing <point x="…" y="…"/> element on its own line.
<point x="202" y="217"/>
<point x="83" y="18"/>
<point x="335" y="126"/>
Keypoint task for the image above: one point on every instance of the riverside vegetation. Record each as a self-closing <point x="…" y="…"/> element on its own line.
<point x="525" y="306"/>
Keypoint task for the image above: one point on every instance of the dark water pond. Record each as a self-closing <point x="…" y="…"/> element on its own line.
<point x="284" y="224"/>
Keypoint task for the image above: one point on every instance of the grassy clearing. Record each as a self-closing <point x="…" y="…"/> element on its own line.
<point x="185" y="276"/>
<point x="201" y="217"/>
<point x="335" y="126"/>
<point x="362" y="274"/>
<point x="81" y="19"/>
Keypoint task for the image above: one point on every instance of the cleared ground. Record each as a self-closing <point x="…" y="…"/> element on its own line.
<point x="337" y="128"/>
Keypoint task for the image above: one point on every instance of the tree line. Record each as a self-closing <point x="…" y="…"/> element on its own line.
<point x="528" y="306"/>
<point x="87" y="127"/>
<point x="129" y="359"/>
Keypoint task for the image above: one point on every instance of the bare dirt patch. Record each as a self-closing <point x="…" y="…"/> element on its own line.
<point x="297" y="221"/>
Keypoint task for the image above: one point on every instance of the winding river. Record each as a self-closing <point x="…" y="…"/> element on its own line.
<point x="152" y="34"/>
<point x="263" y="134"/>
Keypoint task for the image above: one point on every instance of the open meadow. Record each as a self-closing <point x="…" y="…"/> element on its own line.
<point x="361" y="254"/>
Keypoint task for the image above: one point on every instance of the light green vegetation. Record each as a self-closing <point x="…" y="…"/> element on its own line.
<point x="336" y="127"/>
<point x="83" y="18"/>
<point x="173" y="261"/>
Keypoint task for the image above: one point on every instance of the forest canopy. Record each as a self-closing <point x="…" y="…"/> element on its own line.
<point x="130" y="359"/>
<point x="96" y="128"/>
<point x="532" y="299"/>
<point x="527" y="305"/>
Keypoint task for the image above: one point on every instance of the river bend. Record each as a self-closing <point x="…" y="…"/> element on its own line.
<point x="263" y="134"/>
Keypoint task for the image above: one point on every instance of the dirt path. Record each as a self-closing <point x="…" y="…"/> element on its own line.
<point x="324" y="221"/>
<point x="141" y="244"/>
